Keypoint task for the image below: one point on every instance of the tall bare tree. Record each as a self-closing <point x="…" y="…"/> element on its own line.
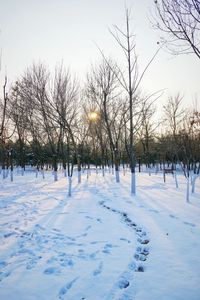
<point x="130" y="80"/>
<point x="147" y="130"/>
<point x="65" y="106"/>
<point x="18" y="111"/>
<point x="102" y="86"/>
<point x="3" y="129"/>
<point x="36" y="87"/>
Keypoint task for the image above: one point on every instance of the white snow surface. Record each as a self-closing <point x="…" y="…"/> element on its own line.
<point x="101" y="243"/>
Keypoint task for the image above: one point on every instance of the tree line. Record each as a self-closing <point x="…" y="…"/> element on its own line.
<point x="49" y="120"/>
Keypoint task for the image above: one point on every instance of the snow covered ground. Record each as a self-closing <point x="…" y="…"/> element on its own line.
<point x="100" y="244"/>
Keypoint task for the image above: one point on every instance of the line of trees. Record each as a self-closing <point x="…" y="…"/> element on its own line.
<point x="48" y="120"/>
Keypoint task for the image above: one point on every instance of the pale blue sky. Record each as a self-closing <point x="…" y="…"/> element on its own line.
<point x="55" y="30"/>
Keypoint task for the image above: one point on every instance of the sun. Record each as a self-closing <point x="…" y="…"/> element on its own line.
<point x="93" y="116"/>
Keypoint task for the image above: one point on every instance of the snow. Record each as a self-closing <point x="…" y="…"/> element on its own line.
<point x="101" y="243"/>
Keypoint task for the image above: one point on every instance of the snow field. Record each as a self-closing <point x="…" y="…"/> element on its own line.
<point x="101" y="243"/>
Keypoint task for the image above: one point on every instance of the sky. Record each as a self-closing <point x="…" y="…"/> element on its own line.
<point x="52" y="31"/>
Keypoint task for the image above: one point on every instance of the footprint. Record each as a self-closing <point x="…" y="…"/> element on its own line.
<point x="52" y="270"/>
<point x="99" y="269"/>
<point x="123" y="283"/>
<point x="140" y="257"/>
<point x="128" y="221"/>
<point x="173" y="217"/>
<point x="69" y="238"/>
<point x="190" y="224"/>
<point x="94" y="242"/>
<point x="32" y="263"/>
<point x="109" y="245"/>
<point x="132" y="266"/>
<point x="140" y="268"/>
<point x="56" y="230"/>
<point x="125" y="240"/>
<point x="8" y="234"/>
<point x="4" y="275"/>
<point x="82" y="235"/>
<point x="142" y="233"/>
<point x="66" y="288"/>
<point x="107" y="248"/>
<point x="3" y="263"/>
<point x="66" y="262"/>
<point x="141" y="253"/>
<point x="106" y="251"/>
<point x="88" y="227"/>
<point x="51" y="260"/>
<point x="143" y="241"/>
<point x="154" y="210"/>
<point x="124" y="215"/>
<point x="38" y="226"/>
<point x="145" y="251"/>
<point x="88" y="217"/>
<point x="25" y="234"/>
<point x="93" y="255"/>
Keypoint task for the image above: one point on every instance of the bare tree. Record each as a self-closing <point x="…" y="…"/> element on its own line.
<point x="148" y="127"/>
<point x="130" y="80"/>
<point x="18" y="111"/>
<point x="102" y="87"/>
<point x="179" y="20"/>
<point x="173" y="117"/>
<point x="64" y="103"/>
<point x="3" y="134"/>
<point x="96" y="129"/>
<point x="174" y="114"/>
<point x="35" y="87"/>
<point x="65" y="106"/>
